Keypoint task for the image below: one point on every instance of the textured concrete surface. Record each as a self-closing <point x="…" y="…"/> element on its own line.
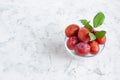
<point x="32" y="40"/>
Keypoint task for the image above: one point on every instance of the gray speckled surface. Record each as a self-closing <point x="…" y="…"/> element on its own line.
<point x="32" y="40"/>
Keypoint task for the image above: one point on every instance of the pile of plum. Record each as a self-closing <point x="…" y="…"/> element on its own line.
<point x="78" y="40"/>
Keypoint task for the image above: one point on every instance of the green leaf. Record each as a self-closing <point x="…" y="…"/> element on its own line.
<point x="100" y="34"/>
<point x="92" y="36"/>
<point x="86" y="24"/>
<point x="98" y="19"/>
<point x="84" y="21"/>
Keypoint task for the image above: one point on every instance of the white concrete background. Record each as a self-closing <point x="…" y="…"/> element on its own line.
<point x="32" y="40"/>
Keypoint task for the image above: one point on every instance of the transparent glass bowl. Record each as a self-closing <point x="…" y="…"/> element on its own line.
<point x="72" y="52"/>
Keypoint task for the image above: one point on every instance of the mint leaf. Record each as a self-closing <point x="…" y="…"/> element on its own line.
<point x="84" y="21"/>
<point x="92" y="36"/>
<point x="100" y="34"/>
<point x="86" y="24"/>
<point x="98" y="19"/>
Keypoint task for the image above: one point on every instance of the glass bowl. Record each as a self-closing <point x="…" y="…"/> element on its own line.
<point x="72" y="52"/>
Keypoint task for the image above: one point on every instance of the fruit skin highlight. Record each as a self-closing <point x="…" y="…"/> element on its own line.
<point x="71" y="42"/>
<point x="72" y="30"/>
<point x="83" y="35"/>
<point x="82" y="49"/>
<point x="94" y="47"/>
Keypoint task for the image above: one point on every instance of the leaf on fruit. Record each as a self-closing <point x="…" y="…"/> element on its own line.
<point x="98" y="19"/>
<point x="92" y="36"/>
<point x="86" y="24"/>
<point x="100" y="34"/>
